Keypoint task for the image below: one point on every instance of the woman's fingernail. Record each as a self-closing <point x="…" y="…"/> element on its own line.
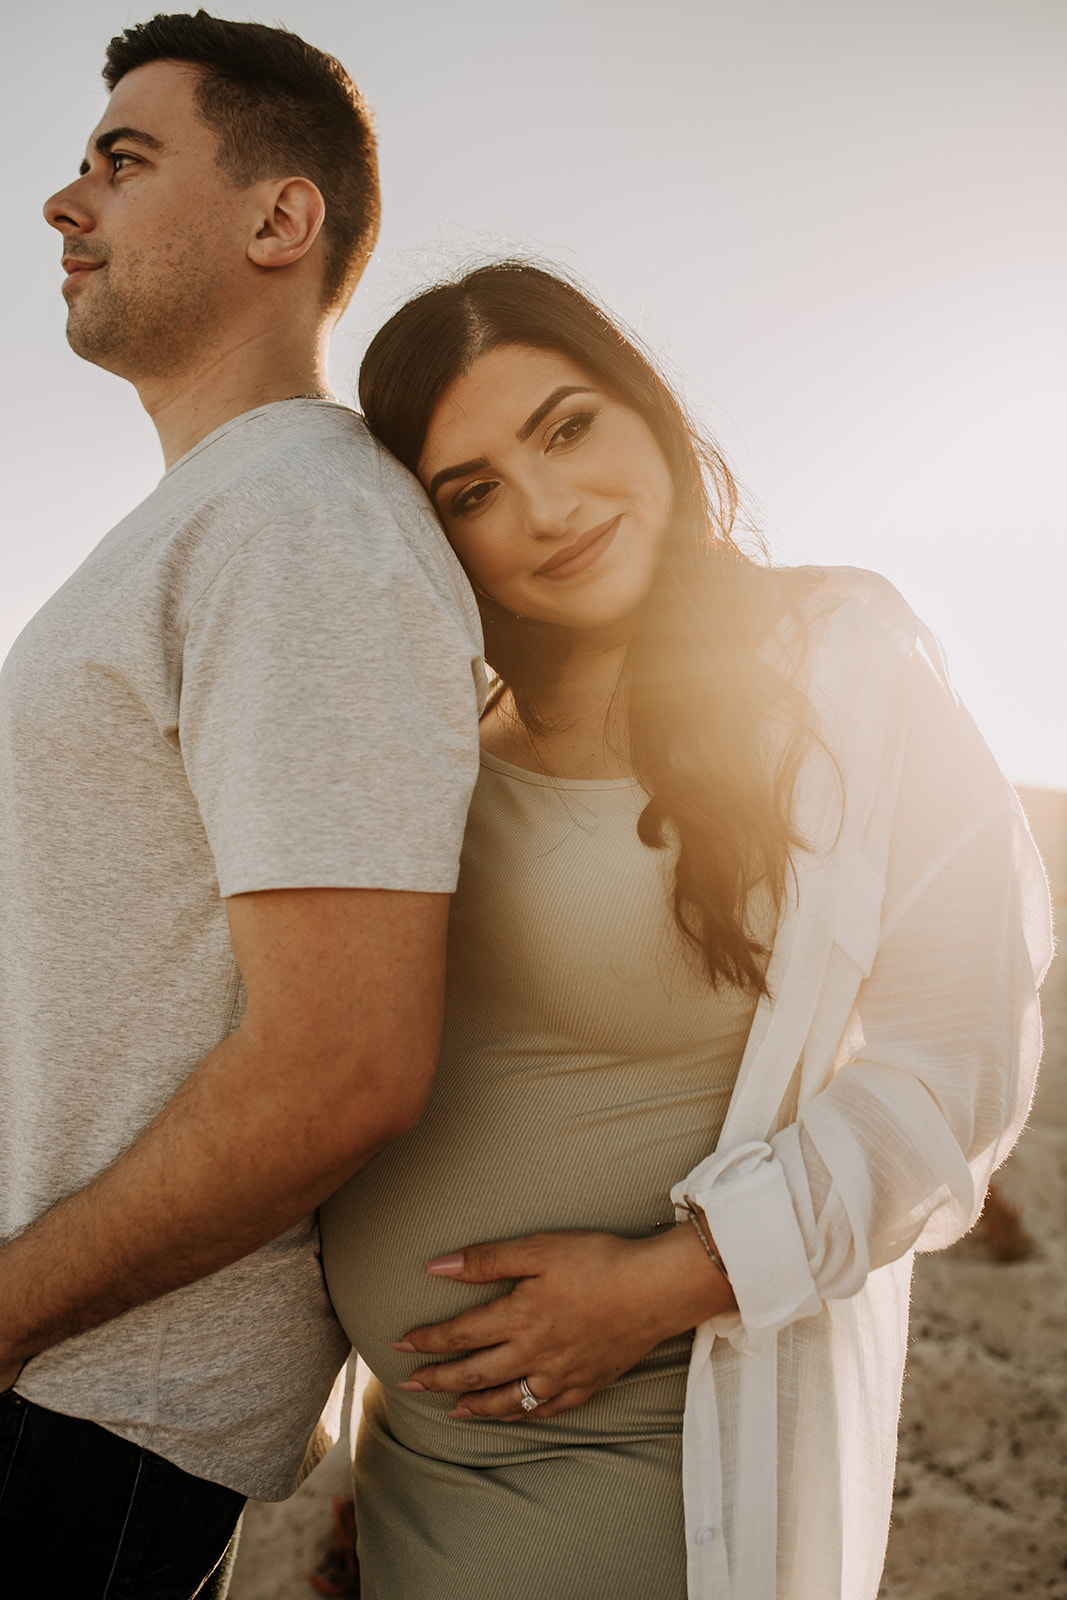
<point x="460" y="1411"/>
<point x="403" y="1344"/>
<point x="412" y="1388"/>
<point x="443" y="1265"/>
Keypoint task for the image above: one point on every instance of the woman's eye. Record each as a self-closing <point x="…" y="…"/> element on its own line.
<point x="471" y="496"/>
<point x="571" y="429"/>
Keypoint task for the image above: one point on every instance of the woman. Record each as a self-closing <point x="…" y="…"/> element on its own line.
<point x="740" y="878"/>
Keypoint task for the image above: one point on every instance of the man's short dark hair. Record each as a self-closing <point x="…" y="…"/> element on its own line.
<point x="280" y="108"/>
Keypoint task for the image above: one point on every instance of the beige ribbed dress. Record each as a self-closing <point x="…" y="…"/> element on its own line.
<point x="586" y="1064"/>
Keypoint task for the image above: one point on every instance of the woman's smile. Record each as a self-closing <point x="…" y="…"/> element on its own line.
<point x="580" y="555"/>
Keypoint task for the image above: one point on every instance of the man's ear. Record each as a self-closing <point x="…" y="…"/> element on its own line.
<point x="289" y="223"/>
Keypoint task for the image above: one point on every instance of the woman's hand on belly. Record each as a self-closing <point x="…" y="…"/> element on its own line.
<point x="587" y="1307"/>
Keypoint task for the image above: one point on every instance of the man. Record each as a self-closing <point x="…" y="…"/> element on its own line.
<point x="236" y="751"/>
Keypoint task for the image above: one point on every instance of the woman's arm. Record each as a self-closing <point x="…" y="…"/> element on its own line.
<point x="897" y="1150"/>
<point x="936" y="1065"/>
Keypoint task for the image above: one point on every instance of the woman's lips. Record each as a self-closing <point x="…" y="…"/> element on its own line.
<point x="581" y="554"/>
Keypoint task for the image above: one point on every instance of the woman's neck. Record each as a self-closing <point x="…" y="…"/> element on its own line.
<point x="584" y="720"/>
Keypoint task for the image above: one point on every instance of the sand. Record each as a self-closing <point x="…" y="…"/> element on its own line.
<point x="980" y="1510"/>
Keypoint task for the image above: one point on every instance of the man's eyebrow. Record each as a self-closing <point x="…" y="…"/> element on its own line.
<point x="448" y="473"/>
<point x="102" y="145"/>
<point x="546" y="406"/>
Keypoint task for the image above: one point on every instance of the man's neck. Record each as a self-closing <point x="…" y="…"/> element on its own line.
<point x="249" y="373"/>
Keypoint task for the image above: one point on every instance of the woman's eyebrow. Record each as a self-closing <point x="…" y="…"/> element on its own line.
<point x="446" y="474"/>
<point x="546" y="406"/>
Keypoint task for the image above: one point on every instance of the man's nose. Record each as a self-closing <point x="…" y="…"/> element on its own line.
<point x="67" y="210"/>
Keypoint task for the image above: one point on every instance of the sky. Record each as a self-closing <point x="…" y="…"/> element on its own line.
<point x="838" y="223"/>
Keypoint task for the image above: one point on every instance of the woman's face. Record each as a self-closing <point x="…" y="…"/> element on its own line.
<point x="554" y="495"/>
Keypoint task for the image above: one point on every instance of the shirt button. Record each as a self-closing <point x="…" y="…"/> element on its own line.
<point x="706" y="1534"/>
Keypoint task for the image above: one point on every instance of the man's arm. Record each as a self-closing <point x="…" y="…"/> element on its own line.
<point x="334" y="1056"/>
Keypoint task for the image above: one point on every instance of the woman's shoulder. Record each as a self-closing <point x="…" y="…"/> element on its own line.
<point x="853" y="612"/>
<point x="825" y="590"/>
<point x="851" y="644"/>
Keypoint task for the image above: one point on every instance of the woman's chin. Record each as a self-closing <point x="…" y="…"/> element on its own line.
<point x="609" y="622"/>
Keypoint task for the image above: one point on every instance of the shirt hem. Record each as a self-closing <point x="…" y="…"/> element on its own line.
<point x="436" y="878"/>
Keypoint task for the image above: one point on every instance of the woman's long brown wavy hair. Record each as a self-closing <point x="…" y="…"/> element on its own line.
<point x="717" y="725"/>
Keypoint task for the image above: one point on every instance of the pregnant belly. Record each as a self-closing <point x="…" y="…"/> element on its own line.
<point x="505" y="1150"/>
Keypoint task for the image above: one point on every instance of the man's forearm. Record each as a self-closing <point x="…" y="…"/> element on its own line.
<point x="246" y="1147"/>
<point x="334" y="1057"/>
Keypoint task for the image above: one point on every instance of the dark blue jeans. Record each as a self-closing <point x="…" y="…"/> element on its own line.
<point x="84" y="1513"/>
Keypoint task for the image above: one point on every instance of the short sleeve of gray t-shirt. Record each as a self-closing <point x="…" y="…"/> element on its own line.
<point x="266" y="676"/>
<point x="324" y="719"/>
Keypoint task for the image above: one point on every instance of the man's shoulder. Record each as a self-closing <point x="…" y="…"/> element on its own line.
<point x="287" y="458"/>
<point x="282" y="468"/>
<point x="284" y="456"/>
<point x="289" y="480"/>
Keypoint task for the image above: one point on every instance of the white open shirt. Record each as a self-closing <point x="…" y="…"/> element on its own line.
<point x="884" y="1080"/>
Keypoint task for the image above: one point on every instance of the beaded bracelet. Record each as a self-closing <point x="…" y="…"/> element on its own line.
<point x="713" y="1254"/>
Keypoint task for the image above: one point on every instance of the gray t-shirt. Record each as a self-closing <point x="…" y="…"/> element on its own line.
<point x="267" y="676"/>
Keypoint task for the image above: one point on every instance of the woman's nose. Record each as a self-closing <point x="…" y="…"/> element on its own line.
<point x="552" y="505"/>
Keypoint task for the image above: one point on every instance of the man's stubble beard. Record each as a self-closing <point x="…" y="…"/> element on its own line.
<point x="146" y="327"/>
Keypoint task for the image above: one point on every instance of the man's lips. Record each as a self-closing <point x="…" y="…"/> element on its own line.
<point x="576" y="557"/>
<point x="77" y="268"/>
